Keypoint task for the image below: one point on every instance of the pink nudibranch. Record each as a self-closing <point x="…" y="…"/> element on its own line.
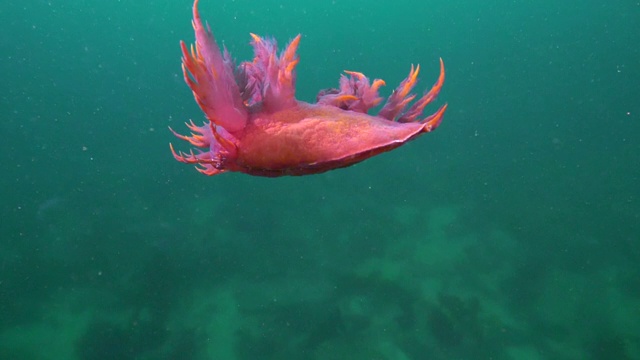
<point x="256" y="126"/>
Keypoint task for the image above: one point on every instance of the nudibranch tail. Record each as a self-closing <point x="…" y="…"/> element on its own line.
<point x="210" y="75"/>
<point x="417" y="108"/>
<point x="394" y="108"/>
<point x="432" y="121"/>
<point x="357" y="94"/>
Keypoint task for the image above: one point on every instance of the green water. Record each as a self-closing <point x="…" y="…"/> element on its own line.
<point x="511" y="232"/>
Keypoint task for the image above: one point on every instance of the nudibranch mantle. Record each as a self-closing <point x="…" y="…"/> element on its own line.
<point x="256" y="126"/>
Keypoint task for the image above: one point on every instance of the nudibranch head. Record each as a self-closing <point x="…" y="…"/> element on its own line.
<point x="256" y="126"/>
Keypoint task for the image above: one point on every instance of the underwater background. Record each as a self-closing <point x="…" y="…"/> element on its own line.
<point x="511" y="232"/>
